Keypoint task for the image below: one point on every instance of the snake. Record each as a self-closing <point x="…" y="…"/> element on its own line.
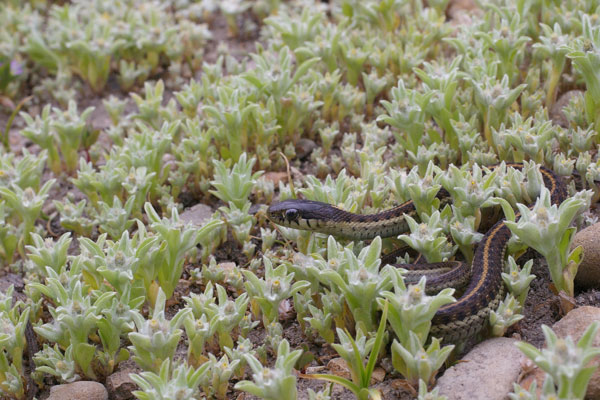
<point x="454" y="322"/>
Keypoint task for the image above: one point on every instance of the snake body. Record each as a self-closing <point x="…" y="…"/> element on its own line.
<point x="453" y="322"/>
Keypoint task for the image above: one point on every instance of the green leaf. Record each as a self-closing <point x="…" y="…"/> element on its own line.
<point x="83" y="354"/>
<point x="376" y="346"/>
<point x="581" y="382"/>
<point x="123" y="355"/>
<point x="358" y="362"/>
<point x="530" y="351"/>
<point x="588" y="336"/>
<point x="335" y="379"/>
<point x="576" y="255"/>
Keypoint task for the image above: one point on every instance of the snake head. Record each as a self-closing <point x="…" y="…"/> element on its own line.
<point x="299" y="213"/>
<point x="284" y="213"/>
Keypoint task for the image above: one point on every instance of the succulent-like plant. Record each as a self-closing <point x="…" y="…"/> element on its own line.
<point x="565" y="362"/>
<point x="176" y="241"/>
<point x="545" y="227"/>
<point x="173" y="381"/>
<point x="156" y="339"/>
<point x="269" y="292"/>
<point x="273" y="383"/>
<point x="356" y="278"/>
<point x="354" y="352"/>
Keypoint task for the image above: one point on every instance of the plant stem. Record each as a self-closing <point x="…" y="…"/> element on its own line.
<point x="5" y="137"/>
<point x="555" y="264"/>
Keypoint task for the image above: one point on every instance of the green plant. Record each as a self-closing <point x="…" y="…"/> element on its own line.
<point x="428" y="238"/>
<point x="406" y="113"/>
<point x="356" y="278"/>
<point x="244" y="347"/>
<point x="216" y="380"/>
<point x="9" y="123"/>
<point x="565" y="362"/>
<point x="173" y="381"/>
<point x="114" y="219"/>
<point x="116" y="266"/>
<point x="226" y="316"/>
<point x="586" y="60"/>
<point x="51" y="360"/>
<point x="517" y="279"/>
<point x="175" y="241"/>
<point x="235" y="185"/>
<point x="47" y="253"/>
<point x="553" y="44"/>
<point x="25" y="207"/>
<point x="9" y="237"/>
<point x="199" y="332"/>
<point x="424" y="394"/>
<point x="10" y="73"/>
<point x="411" y="308"/>
<point x="25" y="171"/>
<point x="273" y="383"/>
<point x="289" y="102"/>
<point x="545" y="228"/>
<point x="354" y="352"/>
<point x="269" y="292"/>
<point x="13" y="320"/>
<point x="156" y="339"/>
<point x="507" y="314"/>
<point x="77" y="316"/>
<point x="493" y="98"/>
<point x="65" y="130"/>
<point x="415" y="362"/>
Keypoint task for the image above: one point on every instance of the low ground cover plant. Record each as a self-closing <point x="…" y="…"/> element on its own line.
<point x="119" y="116"/>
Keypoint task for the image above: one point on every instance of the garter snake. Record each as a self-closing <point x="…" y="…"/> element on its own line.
<point x="453" y="322"/>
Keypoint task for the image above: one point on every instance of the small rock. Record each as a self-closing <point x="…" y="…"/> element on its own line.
<point x="168" y="158"/>
<point x="556" y="112"/>
<point x="535" y="375"/>
<point x="100" y="120"/>
<point x="315" y="370"/>
<point x="487" y="373"/>
<point x="400" y="384"/>
<point x="588" y="274"/>
<point x="337" y="366"/>
<point x="227" y="266"/>
<point x="11" y="279"/>
<point x="460" y="18"/>
<point x="120" y="385"/>
<point x="275" y="177"/>
<point x="84" y="390"/>
<point x="197" y="215"/>
<point x="378" y="375"/>
<point x="465" y="5"/>
<point x="7" y="103"/>
<point x="460" y="12"/>
<point x="304" y="147"/>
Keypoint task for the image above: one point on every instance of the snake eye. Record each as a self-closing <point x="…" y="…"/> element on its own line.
<point x="291" y="214"/>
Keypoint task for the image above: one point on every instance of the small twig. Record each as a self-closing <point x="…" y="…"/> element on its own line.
<point x="290" y="180"/>
<point x="9" y="123"/>
<point x="49" y="228"/>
